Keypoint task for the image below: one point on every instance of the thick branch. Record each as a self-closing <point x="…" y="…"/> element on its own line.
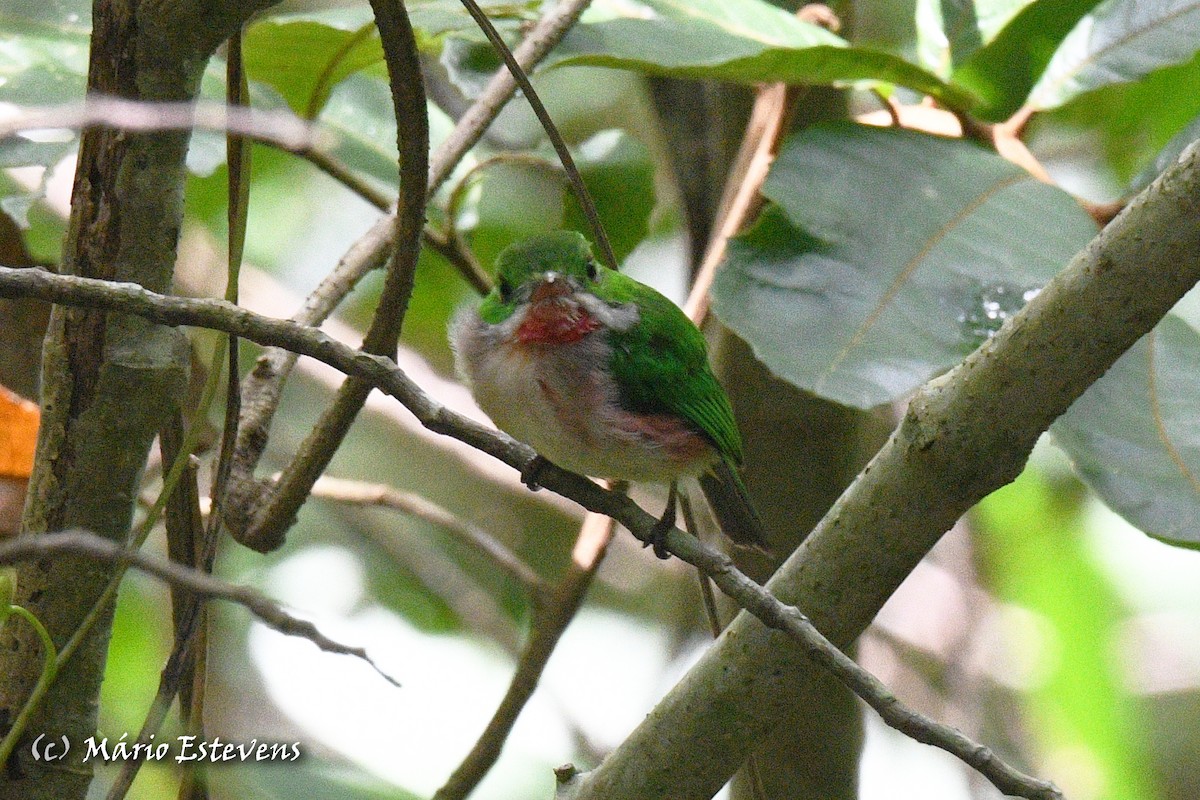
<point x="966" y="434"/>
<point x="126" y="211"/>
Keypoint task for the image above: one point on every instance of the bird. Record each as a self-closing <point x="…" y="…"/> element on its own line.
<point x="604" y="376"/>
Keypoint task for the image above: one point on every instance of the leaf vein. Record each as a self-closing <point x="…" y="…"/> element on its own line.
<point x="902" y="278"/>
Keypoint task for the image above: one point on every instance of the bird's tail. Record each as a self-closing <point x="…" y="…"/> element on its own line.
<point x="730" y="504"/>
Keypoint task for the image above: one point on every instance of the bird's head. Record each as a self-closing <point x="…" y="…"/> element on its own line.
<point x="548" y="290"/>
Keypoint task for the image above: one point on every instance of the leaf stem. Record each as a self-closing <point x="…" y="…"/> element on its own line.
<point x="49" y="670"/>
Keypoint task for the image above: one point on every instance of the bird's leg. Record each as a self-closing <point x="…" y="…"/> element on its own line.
<point x="532" y="471"/>
<point x="658" y="534"/>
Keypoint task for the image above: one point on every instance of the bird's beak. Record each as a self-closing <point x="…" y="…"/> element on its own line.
<point x="553" y="286"/>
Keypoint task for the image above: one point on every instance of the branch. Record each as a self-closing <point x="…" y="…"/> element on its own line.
<point x="200" y="583"/>
<point x="385" y="375"/>
<point x="770" y="121"/>
<point x="548" y="32"/>
<point x="965" y="434"/>
<point x="374" y="494"/>
<point x="280" y="128"/>
<point x="556" y="140"/>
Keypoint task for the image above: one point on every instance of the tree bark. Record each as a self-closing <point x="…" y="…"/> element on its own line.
<point x="109" y="380"/>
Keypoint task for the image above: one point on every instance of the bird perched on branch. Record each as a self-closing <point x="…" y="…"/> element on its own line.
<point x="604" y="376"/>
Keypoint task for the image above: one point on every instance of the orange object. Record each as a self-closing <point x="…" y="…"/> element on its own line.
<point x="18" y="434"/>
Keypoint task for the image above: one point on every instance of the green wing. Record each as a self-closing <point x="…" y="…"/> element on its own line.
<point x="662" y="366"/>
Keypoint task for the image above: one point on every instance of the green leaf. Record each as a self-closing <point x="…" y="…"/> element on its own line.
<point x="619" y="174"/>
<point x="43" y="52"/>
<point x="1003" y="72"/>
<point x="469" y="63"/>
<point x="992" y="16"/>
<point x="434" y="18"/>
<point x="304" y="60"/>
<point x="1112" y="134"/>
<point x="745" y="41"/>
<point x="43" y="61"/>
<point x="1169" y="154"/>
<point x="887" y="256"/>
<point x="950" y="31"/>
<point x="47" y="18"/>
<point x="360" y="111"/>
<point x="1121" y="41"/>
<point x="1133" y="436"/>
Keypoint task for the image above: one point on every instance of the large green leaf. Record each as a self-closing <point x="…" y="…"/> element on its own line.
<point x="1110" y="135"/>
<point x="1133" y="435"/>
<point x="360" y="111"/>
<point x="747" y="41"/>
<point x="43" y="52"/>
<point x="1121" y="41"/>
<point x="304" y="60"/>
<point x="951" y="31"/>
<point x="887" y="256"/>
<point x="1003" y="72"/>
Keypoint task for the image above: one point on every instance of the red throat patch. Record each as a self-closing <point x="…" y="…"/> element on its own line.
<point x="556" y="321"/>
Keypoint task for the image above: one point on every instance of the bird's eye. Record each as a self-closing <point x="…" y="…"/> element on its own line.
<point x="506" y="289"/>
<point x="592" y="270"/>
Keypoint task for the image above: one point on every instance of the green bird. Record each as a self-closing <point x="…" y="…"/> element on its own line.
<point x="604" y="376"/>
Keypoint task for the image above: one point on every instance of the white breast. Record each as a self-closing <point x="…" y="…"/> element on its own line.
<point x="561" y="400"/>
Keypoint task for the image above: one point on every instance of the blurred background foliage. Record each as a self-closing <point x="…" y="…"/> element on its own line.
<point x="1045" y="623"/>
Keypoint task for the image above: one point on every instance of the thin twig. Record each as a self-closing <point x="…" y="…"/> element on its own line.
<point x="281" y="128"/>
<point x="707" y="598"/>
<point x="385" y="375"/>
<point x="741" y="199"/>
<point x="376" y="494"/>
<point x="550" y="621"/>
<point x="548" y="32"/>
<point x="459" y="257"/>
<point x="202" y="584"/>
<point x="341" y="173"/>
<point x="560" y="147"/>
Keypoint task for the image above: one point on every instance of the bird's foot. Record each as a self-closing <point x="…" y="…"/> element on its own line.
<point x="532" y="471"/>
<point x="658" y="534"/>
